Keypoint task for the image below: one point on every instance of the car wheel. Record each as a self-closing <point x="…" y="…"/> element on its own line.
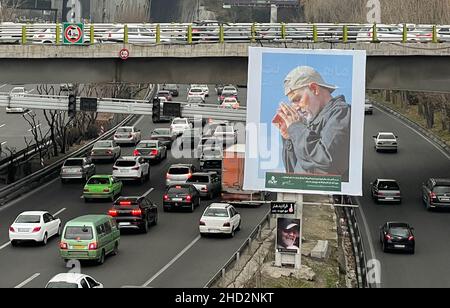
<point x="115" y="251"/>
<point x="14" y="243"/>
<point x="192" y="207"/>
<point x="155" y="220"/>
<point x="147" y="177"/>
<point x="383" y="246"/>
<point x="63" y="181"/>
<point x="427" y="205"/>
<point x="144" y="228"/>
<point x="101" y="260"/>
<point x="232" y="234"/>
<point x="86" y="200"/>
<point x="59" y="231"/>
<point x="45" y="239"/>
<point x="239" y="226"/>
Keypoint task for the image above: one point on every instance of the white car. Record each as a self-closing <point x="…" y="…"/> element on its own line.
<point x="368" y="107"/>
<point x="220" y="218"/>
<point x="36" y="226"/>
<point x="17" y="92"/>
<point x="385" y="33"/>
<point x="127" y="134"/>
<point x="179" y="125"/>
<point x="131" y="168"/>
<point x="136" y="35"/>
<point x="385" y="141"/>
<point x="230" y="102"/>
<point x="196" y="92"/>
<point x="229" y="90"/>
<point x="73" y="281"/>
<point x="204" y="87"/>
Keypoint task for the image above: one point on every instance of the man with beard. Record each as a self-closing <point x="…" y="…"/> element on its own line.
<point x="315" y="127"/>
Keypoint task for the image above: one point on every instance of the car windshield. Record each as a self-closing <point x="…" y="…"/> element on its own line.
<point x="148" y="145"/>
<point x="103" y="144"/>
<point x="387" y="136"/>
<point x="171" y="87"/>
<point x="199" y="179"/>
<point x="98" y="181"/>
<point x="388" y="186"/>
<point x="179" y="121"/>
<point x="161" y="131"/>
<point x="125" y="163"/>
<point x="196" y="90"/>
<point x="211" y="151"/>
<point x="28" y="219"/>
<point x="230" y="89"/>
<point x="441" y="189"/>
<point x="124" y="130"/>
<point x="212" y="212"/>
<point x="179" y="170"/>
<point x="177" y="191"/>
<point x="163" y="93"/>
<point x="73" y="162"/>
<point x="398" y="231"/>
<point x="61" y="285"/>
<point x="79" y="233"/>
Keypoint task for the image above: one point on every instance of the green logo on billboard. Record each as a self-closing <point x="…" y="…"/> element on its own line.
<point x="73" y="34"/>
<point x="303" y="182"/>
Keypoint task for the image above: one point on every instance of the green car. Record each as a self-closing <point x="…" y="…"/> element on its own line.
<point x="102" y="187"/>
<point x="90" y="237"/>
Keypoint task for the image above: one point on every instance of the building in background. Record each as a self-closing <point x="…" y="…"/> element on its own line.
<point x="104" y="11"/>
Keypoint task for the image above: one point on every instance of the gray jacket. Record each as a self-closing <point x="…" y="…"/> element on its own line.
<point x="323" y="145"/>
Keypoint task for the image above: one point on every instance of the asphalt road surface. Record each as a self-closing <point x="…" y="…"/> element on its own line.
<point x="416" y="161"/>
<point x="171" y="255"/>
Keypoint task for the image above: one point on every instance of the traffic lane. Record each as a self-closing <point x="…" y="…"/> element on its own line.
<point x="77" y="208"/>
<point x="213" y="97"/>
<point x="207" y="256"/>
<point x="410" y="169"/>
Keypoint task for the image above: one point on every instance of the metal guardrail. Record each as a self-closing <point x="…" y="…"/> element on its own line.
<point x="123" y="106"/>
<point x="24" y="185"/>
<point x="357" y="245"/>
<point x="187" y="33"/>
<point x="236" y="256"/>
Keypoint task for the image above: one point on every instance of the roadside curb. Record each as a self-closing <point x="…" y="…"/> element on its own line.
<point x="438" y="141"/>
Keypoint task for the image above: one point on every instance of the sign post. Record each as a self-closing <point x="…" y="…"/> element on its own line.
<point x="73" y="34"/>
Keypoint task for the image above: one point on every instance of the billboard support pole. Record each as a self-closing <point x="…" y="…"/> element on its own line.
<point x="273" y="13"/>
<point x="283" y="258"/>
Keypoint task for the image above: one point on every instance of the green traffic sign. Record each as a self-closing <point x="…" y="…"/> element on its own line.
<point x="73" y="33"/>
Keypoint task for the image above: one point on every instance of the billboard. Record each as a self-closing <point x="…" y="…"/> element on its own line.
<point x="305" y="121"/>
<point x="288" y="235"/>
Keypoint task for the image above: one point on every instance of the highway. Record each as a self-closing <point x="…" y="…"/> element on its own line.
<point x="417" y="160"/>
<point x="171" y="255"/>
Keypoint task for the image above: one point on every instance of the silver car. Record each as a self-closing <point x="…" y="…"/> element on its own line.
<point x="386" y="141"/>
<point x="179" y="174"/>
<point x="105" y="150"/>
<point x="208" y="184"/>
<point x="151" y="150"/>
<point x="386" y="190"/>
<point x="77" y="168"/>
<point x="127" y="134"/>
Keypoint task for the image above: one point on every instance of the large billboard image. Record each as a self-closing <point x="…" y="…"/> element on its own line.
<point x="305" y="121"/>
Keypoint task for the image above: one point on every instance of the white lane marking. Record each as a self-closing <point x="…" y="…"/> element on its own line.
<point x="171" y="262"/>
<point x="5" y="245"/>
<point x="138" y="121"/>
<point x="417" y="132"/>
<point x="59" y="212"/>
<point x="27" y="281"/>
<point x="3" y="85"/>
<point x="30" y="91"/>
<point x="369" y="235"/>
<point x="3" y="125"/>
<point x="147" y="192"/>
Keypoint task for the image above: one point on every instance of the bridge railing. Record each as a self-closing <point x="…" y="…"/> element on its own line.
<point x="185" y="33"/>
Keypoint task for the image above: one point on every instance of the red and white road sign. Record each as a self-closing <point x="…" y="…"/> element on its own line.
<point x="124" y="54"/>
<point x="73" y="34"/>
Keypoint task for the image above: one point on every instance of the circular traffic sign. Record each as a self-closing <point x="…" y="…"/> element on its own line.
<point x="73" y="34"/>
<point x="124" y="54"/>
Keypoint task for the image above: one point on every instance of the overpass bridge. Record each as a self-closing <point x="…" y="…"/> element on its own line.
<point x="398" y="58"/>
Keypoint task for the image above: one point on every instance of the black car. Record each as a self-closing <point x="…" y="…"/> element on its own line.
<point x="172" y="88"/>
<point x="436" y="193"/>
<point x="164" y="136"/>
<point x="219" y="89"/>
<point x="134" y="213"/>
<point x="397" y="236"/>
<point x="181" y="196"/>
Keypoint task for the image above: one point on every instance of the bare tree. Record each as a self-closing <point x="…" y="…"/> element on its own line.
<point x="8" y="9"/>
<point x="40" y="139"/>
